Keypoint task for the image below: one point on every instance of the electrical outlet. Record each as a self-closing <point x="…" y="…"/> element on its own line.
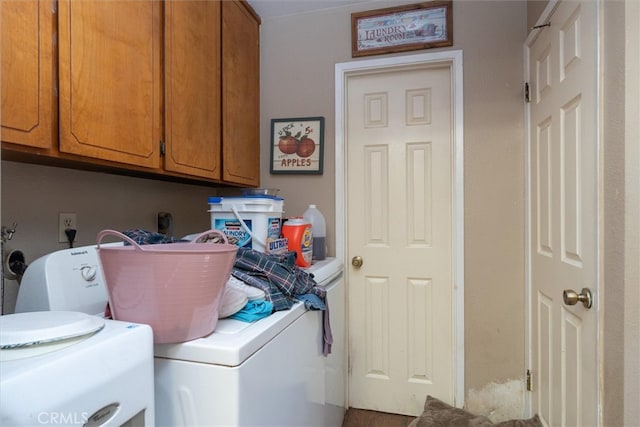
<point x="165" y="223"/>
<point x="66" y="220"/>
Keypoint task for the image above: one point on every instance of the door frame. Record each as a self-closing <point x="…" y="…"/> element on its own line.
<point x="453" y="59"/>
<point x="543" y="19"/>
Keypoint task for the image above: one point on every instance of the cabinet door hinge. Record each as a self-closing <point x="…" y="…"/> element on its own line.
<point x="527" y="96"/>
<point x="529" y="380"/>
<point x="163" y="148"/>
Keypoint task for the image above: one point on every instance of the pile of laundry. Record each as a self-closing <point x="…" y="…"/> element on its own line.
<point x="260" y="283"/>
<point x="263" y="283"/>
<point x="283" y="283"/>
<point x="243" y="302"/>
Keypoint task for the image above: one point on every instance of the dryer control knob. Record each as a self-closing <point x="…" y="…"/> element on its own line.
<point x="88" y="272"/>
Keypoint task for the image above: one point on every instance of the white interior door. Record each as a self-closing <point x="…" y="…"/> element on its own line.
<point x="399" y="145"/>
<point x="563" y="184"/>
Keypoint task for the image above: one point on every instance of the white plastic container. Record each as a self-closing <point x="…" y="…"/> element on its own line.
<point x="318" y="231"/>
<point x="253" y="222"/>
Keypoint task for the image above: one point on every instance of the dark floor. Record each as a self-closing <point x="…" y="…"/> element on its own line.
<point x="362" y="418"/>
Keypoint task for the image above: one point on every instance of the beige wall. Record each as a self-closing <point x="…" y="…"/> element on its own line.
<point x="620" y="294"/>
<point x="534" y="10"/>
<point x="32" y="196"/>
<point x="298" y="57"/>
<point x="612" y="276"/>
<point x="298" y="54"/>
<point x="631" y="372"/>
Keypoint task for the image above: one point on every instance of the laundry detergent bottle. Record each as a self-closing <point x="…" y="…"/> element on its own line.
<point x="300" y="240"/>
<point x="318" y="230"/>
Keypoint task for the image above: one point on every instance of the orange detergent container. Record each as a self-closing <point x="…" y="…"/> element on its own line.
<point x="298" y="233"/>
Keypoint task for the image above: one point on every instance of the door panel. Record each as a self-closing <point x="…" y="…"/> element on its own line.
<point x="399" y="183"/>
<point x="563" y="216"/>
<point x="110" y="80"/>
<point x="28" y="103"/>
<point x="240" y="95"/>
<point x="192" y="87"/>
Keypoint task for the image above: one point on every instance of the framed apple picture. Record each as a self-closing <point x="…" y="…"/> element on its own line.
<point x="297" y="145"/>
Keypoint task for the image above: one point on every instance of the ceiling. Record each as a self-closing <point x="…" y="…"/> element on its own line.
<point x="274" y="8"/>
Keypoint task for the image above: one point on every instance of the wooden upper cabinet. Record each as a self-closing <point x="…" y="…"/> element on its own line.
<point x="192" y="87"/>
<point x="240" y="94"/>
<point x="126" y="75"/>
<point x="110" y="80"/>
<point x="27" y="88"/>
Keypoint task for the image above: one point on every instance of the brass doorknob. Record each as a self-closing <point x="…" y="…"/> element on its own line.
<point x="571" y="297"/>
<point x="357" y="261"/>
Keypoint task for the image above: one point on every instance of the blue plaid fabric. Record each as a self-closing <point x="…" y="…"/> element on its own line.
<point x="277" y="275"/>
<point x="144" y="237"/>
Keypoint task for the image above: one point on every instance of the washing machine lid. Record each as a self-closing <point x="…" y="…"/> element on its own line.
<point x="22" y="330"/>
<point x="326" y="270"/>
<point x="234" y="341"/>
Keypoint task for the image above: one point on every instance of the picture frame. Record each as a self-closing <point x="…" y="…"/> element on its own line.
<point x="402" y="28"/>
<point x="297" y="145"/>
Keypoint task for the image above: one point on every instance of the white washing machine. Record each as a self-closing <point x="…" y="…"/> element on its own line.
<point x="271" y="372"/>
<point x="268" y="373"/>
<point x="62" y="366"/>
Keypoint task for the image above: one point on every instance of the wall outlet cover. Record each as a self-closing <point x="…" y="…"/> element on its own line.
<point x="66" y="220"/>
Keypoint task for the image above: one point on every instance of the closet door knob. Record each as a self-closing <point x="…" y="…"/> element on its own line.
<point x="357" y="261"/>
<point x="571" y="297"/>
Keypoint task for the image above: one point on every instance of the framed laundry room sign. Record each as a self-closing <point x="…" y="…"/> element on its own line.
<point x="402" y="28"/>
<point x="297" y="145"/>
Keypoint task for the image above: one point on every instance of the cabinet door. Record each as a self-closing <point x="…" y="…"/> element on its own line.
<point x="28" y="102"/>
<point x="110" y="80"/>
<point x="192" y="87"/>
<point x="240" y="94"/>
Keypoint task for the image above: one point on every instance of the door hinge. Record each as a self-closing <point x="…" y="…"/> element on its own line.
<point x="528" y="380"/>
<point x="163" y="148"/>
<point x="527" y="96"/>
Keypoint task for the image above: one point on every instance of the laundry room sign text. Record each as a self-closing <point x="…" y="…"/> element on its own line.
<point x="397" y="29"/>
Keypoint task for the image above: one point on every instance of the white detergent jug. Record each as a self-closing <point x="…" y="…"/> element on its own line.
<point x="318" y="230"/>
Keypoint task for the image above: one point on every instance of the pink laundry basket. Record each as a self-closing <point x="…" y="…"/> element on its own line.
<point x="176" y="288"/>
